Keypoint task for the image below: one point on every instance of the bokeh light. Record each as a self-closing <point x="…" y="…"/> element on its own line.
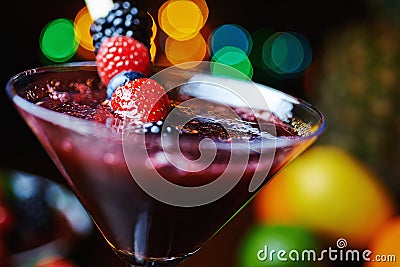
<point x="57" y="40"/>
<point x="182" y="38"/>
<point x="235" y="58"/>
<point x="153" y="50"/>
<point x="185" y="37"/>
<point x="307" y="49"/>
<point x="182" y="19"/>
<point x="193" y="49"/>
<point x="153" y="28"/>
<point x="153" y="47"/>
<point x="259" y="37"/>
<point x="287" y="53"/>
<point x="202" y="5"/>
<point x="82" y="22"/>
<point x="230" y="35"/>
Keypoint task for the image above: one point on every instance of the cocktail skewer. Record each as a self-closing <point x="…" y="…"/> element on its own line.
<point x="99" y="8"/>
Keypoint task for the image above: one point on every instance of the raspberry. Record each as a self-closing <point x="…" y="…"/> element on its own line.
<point x="122" y="53"/>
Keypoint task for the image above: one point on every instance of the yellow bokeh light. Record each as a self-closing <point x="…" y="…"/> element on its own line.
<point x="82" y="23"/>
<point x="153" y="28"/>
<point x="153" y="50"/>
<point x="181" y="19"/>
<point x="194" y="49"/>
<point x="202" y="5"/>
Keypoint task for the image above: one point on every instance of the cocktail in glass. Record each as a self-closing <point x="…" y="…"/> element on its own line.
<point x="158" y="193"/>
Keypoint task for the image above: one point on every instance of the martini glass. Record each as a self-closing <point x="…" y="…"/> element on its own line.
<point x="158" y="197"/>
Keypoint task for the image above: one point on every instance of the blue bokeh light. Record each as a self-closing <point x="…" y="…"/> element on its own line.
<point x="230" y="35"/>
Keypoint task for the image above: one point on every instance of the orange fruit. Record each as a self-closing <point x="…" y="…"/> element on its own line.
<point x="385" y="245"/>
<point x="329" y="191"/>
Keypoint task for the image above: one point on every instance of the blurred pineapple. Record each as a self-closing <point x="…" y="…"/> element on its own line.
<point x="355" y="81"/>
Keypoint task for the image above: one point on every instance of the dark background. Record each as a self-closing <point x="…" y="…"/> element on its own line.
<point x="22" y="22"/>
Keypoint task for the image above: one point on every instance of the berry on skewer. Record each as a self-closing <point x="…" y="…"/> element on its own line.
<point x="121" y="38"/>
<point x="122" y="41"/>
<point x="122" y="53"/>
<point x="121" y="79"/>
<point x="143" y="99"/>
<point x="126" y="19"/>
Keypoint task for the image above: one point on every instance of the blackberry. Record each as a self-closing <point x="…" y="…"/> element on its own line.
<point x="125" y="18"/>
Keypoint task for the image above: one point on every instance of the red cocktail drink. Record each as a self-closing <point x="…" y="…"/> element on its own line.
<point x="157" y="191"/>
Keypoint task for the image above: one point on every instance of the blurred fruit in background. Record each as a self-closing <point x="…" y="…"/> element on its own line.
<point x="41" y="222"/>
<point x="330" y="192"/>
<point x="355" y="81"/>
<point x="55" y="262"/>
<point x="385" y="245"/>
<point x="261" y="243"/>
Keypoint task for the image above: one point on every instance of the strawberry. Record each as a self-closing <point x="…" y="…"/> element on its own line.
<point x="143" y="99"/>
<point x="122" y="53"/>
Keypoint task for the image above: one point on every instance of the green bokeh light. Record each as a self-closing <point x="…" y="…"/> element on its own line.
<point x="57" y="40"/>
<point x="235" y="58"/>
<point x="287" y="53"/>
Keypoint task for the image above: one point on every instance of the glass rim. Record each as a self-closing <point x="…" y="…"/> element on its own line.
<point x="97" y="129"/>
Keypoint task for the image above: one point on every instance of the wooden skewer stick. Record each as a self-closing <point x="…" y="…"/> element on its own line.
<point x="99" y="8"/>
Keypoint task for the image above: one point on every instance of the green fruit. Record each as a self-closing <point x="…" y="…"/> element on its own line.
<point x="277" y="246"/>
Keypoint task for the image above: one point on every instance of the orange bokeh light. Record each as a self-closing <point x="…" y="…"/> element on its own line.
<point x="82" y="23"/>
<point x="194" y="49"/>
